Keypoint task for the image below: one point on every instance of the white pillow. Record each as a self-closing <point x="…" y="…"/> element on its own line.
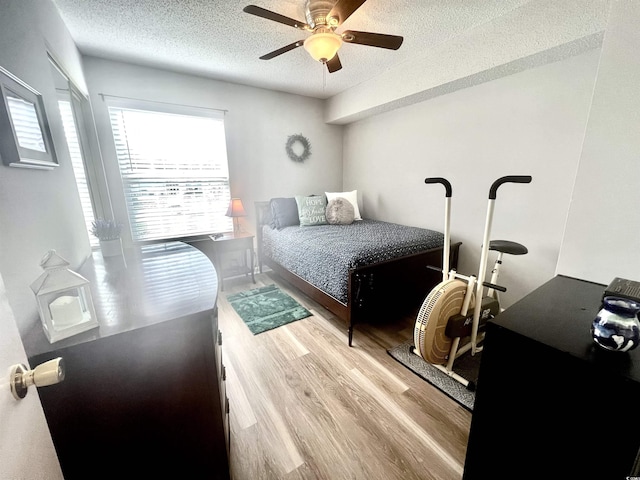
<point x="351" y="196"/>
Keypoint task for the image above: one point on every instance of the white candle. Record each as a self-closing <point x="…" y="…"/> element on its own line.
<point x="66" y="311"/>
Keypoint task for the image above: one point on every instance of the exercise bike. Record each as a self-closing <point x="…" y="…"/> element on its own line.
<point x="444" y="320"/>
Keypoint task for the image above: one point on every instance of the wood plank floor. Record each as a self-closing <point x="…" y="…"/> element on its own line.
<point x="306" y="406"/>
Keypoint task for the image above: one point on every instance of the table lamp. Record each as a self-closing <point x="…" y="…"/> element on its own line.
<point x="235" y="210"/>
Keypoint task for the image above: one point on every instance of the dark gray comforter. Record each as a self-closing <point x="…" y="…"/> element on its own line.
<point x="323" y="254"/>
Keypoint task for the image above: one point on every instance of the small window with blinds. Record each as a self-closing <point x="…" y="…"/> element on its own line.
<point x="77" y="161"/>
<point x="25" y="137"/>
<point x="26" y="123"/>
<point x="173" y="164"/>
<point x="71" y="105"/>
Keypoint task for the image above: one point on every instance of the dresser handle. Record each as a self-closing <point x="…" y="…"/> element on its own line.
<point x="224" y="373"/>
<point x="219" y="337"/>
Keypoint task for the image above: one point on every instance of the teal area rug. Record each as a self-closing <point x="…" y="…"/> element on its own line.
<point x="266" y="308"/>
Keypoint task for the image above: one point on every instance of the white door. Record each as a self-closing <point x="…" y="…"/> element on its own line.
<point x="26" y="448"/>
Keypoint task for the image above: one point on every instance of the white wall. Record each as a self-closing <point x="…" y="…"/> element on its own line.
<point x="39" y="210"/>
<point x="257" y="124"/>
<point x="602" y="238"/>
<point x="529" y="123"/>
<point x="536" y="33"/>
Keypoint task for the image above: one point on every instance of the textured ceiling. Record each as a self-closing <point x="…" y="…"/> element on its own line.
<point x="216" y="39"/>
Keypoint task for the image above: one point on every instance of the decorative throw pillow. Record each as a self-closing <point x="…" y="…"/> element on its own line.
<point x="284" y="212"/>
<point x="311" y="210"/>
<point x="351" y="196"/>
<point x="339" y="211"/>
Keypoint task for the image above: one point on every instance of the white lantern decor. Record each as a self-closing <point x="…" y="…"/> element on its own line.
<point x="64" y="299"/>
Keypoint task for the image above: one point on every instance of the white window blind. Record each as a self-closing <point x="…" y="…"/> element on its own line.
<point x="25" y="122"/>
<point x="165" y="275"/>
<point x="75" y="150"/>
<point x="174" y="171"/>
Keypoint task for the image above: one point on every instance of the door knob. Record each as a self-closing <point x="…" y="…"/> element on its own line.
<point x="48" y="373"/>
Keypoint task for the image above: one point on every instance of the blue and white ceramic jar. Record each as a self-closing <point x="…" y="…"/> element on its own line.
<point x="616" y="327"/>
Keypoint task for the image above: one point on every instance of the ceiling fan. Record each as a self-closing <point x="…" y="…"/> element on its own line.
<point x="323" y="18"/>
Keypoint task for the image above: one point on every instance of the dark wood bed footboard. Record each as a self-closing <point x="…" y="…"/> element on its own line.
<point x="394" y="288"/>
<point x="391" y="288"/>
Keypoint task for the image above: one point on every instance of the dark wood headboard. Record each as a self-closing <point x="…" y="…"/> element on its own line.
<point x="263" y="217"/>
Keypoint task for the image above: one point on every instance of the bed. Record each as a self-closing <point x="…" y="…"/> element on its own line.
<point x="366" y="270"/>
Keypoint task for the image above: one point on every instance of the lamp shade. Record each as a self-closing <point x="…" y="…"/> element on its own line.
<point x="236" y="209"/>
<point x="323" y="46"/>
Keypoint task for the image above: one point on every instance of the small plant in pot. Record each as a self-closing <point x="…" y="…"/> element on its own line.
<point x="108" y="232"/>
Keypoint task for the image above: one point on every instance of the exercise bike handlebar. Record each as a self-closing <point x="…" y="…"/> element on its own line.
<point x="443" y="181"/>
<point x="493" y="192"/>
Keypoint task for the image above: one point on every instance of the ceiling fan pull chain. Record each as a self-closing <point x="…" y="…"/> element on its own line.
<point x="324" y="78"/>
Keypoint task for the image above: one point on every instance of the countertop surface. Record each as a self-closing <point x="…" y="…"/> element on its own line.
<point x="559" y="314"/>
<point x="151" y="284"/>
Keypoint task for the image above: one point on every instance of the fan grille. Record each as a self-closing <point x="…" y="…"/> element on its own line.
<point x="429" y="337"/>
<point x="423" y="316"/>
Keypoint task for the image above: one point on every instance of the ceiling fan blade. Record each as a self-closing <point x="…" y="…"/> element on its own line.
<point x="276" y="17"/>
<point x="343" y="10"/>
<point x="392" y="42"/>
<point x="334" y="64"/>
<point x="282" y="50"/>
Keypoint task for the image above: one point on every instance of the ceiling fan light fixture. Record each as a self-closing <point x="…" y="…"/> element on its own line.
<point x="323" y="46"/>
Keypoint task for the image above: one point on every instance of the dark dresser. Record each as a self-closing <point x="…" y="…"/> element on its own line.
<point x="550" y="403"/>
<point x="144" y="394"/>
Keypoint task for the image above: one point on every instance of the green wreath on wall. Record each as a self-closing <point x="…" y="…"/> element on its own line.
<point x="306" y="147"/>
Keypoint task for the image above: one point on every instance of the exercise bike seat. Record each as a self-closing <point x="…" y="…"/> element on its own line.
<point x="506" y="246"/>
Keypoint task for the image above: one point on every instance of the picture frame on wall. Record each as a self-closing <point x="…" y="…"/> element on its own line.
<point x="25" y="137"/>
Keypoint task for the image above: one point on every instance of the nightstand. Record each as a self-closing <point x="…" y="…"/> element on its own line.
<point x="239" y="243"/>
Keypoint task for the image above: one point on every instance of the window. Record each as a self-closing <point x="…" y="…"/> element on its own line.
<point x="75" y="151"/>
<point x="25" y="137"/>
<point x="173" y="164"/>
<point x="70" y="104"/>
<point x="27" y="125"/>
